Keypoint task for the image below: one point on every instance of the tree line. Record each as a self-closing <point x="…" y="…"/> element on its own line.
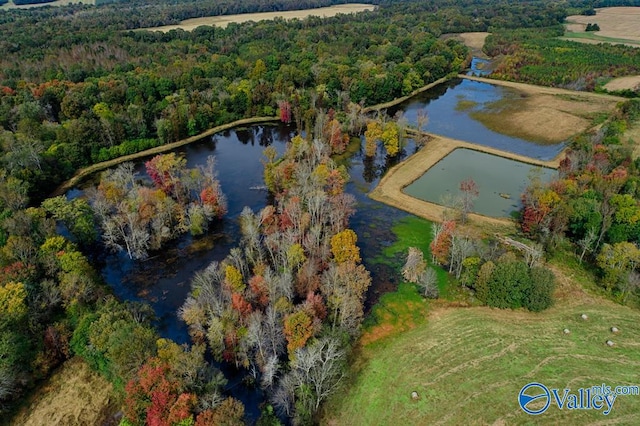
<point x="593" y="205"/>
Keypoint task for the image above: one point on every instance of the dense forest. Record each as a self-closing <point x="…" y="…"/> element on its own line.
<point x="81" y="86"/>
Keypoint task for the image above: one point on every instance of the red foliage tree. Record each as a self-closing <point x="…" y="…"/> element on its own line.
<point x="165" y="171"/>
<point x="146" y="392"/>
<point x="259" y="289"/>
<point x="470" y="192"/>
<point x="315" y="306"/>
<point x="285" y="111"/>
<point x="17" y="272"/>
<point x="182" y="408"/>
<point x="240" y="304"/>
<point x="441" y="243"/>
<point x="155" y="400"/>
<point x="212" y="197"/>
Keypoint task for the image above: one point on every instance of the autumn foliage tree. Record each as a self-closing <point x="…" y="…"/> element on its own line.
<point x="441" y="243"/>
<point x="470" y="192"/>
<point x="371" y="136"/>
<point x="138" y="218"/>
<point x="295" y="277"/>
<point x="343" y="246"/>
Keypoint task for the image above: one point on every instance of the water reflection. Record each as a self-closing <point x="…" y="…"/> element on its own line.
<point x="498" y="197"/>
<point x="449" y="108"/>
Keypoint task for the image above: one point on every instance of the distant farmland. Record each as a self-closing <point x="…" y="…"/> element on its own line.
<point x="11" y="5"/>
<point x="224" y="20"/>
<point x="617" y="25"/>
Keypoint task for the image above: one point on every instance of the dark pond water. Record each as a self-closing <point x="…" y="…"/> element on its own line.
<point x="500" y="181"/>
<point x="164" y="279"/>
<point x="449" y="108"/>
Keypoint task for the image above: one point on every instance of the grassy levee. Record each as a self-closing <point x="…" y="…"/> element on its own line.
<point x="398" y="101"/>
<point x="83" y="173"/>
<point x="469" y="364"/>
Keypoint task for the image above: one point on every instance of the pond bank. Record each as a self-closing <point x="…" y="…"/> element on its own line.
<point x="82" y="173"/>
<point x="389" y="190"/>
<point x="398" y="101"/>
<point x="530" y="88"/>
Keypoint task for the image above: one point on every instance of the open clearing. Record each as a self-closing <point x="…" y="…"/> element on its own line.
<point x="73" y="395"/>
<point x="223" y="20"/>
<point x="617" y="25"/>
<point x="474" y="40"/>
<point x="468" y="364"/>
<point x="631" y="82"/>
<point x="543" y="114"/>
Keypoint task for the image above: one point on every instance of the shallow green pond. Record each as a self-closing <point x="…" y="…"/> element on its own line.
<point x="500" y="181"/>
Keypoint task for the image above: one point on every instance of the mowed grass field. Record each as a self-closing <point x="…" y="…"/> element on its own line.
<point x="468" y="364"/>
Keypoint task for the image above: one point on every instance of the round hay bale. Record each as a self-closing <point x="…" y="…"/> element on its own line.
<point x="414" y="395"/>
<point x="610" y="343"/>
<point x="566" y="331"/>
<point x="614" y="329"/>
<point x="584" y="317"/>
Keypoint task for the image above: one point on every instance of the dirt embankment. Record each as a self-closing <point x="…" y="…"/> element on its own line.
<point x="542" y="112"/>
<point x="83" y="173"/>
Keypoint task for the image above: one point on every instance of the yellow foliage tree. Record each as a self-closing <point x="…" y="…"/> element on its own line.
<point x="295" y="255"/>
<point x="233" y="278"/>
<point x="391" y="139"/>
<point x="12" y="302"/>
<point x="371" y="137"/>
<point x="298" y="328"/>
<point x="343" y="246"/>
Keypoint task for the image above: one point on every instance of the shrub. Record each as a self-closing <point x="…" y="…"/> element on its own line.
<point x="539" y="295"/>
<point x="512" y="284"/>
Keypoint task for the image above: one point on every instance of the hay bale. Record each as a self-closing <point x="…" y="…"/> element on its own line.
<point x="414" y="395"/>
<point x="614" y="329"/>
<point x="610" y="343"/>
<point x="584" y="317"/>
<point x="566" y="331"/>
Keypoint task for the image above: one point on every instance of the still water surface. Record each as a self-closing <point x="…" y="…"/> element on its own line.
<point x="450" y="106"/>
<point x="500" y="181"/>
